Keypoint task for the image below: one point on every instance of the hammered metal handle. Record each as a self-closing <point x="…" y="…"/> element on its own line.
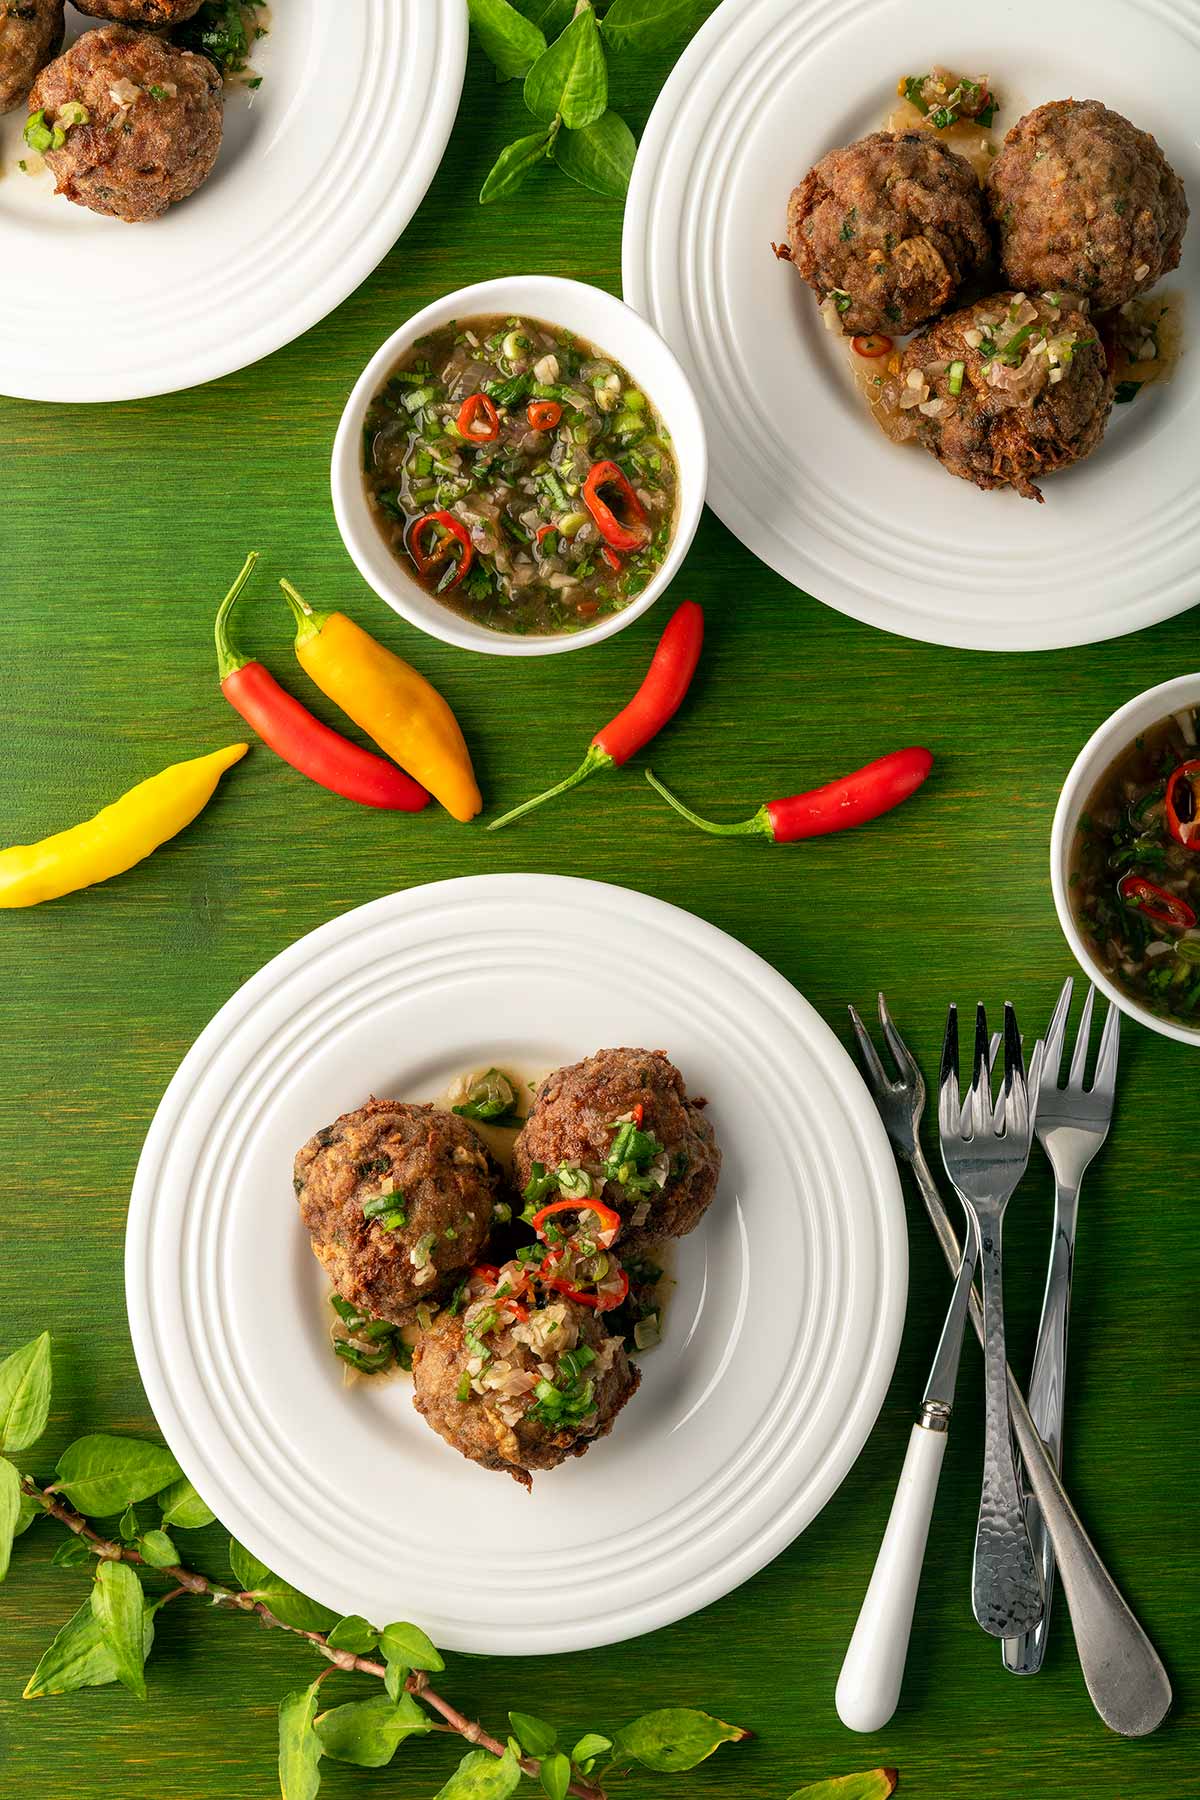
<point x="1007" y="1587"/>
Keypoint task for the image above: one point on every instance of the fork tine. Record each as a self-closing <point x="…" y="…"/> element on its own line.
<point x="870" y="1056"/>
<point x="1016" y="1093"/>
<point x="949" y="1105"/>
<point x="979" y="1106"/>
<point x="1104" y="1082"/>
<point x="905" y="1060"/>
<point x="1079" y="1060"/>
<point x="1055" y="1032"/>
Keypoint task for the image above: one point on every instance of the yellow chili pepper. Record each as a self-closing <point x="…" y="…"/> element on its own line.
<point x="393" y="704"/>
<point x="118" y="837"/>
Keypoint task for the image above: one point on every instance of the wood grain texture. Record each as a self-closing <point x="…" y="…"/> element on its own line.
<point x="123" y="525"/>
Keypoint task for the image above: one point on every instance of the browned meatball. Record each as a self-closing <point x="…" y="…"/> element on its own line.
<point x="891" y="227"/>
<point x="667" y="1182"/>
<point x="398" y="1200"/>
<point x="153" y="125"/>
<point x="1034" y="389"/>
<point x="484" y="1380"/>
<point x="141" y="12"/>
<point x="1085" y="202"/>
<point x="31" y="32"/>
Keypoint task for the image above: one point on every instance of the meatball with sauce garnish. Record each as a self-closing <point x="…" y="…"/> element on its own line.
<point x="1085" y="202"/>
<point x="1008" y="390"/>
<point x="31" y="32"/>
<point x="888" y="230"/>
<point x="621" y="1128"/>
<point x="518" y="1389"/>
<point x="141" y="12"/>
<point x="398" y="1200"/>
<point x="140" y="122"/>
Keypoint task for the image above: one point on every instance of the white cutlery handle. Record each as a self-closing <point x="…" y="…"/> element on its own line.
<point x="869" y="1685"/>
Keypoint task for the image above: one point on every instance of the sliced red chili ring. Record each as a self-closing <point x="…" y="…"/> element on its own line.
<point x="543" y="532"/>
<point x="621" y="519"/>
<point x="449" y="533"/>
<point x="474" y="409"/>
<point x="873" y="343"/>
<point x="610" y="556"/>
<point x="1183" y="805"/>
<point x="1155" y="903"/>
<point x="609" y="1220"/>
<point x="485" y="1272"/>
<point x="543" y="415"/>
<point x="637" y="1114"/>
<point x="603" y="1302"/>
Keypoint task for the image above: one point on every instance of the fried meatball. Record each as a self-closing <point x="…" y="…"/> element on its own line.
<point x="141" y="12"/>
<point x="1034" y="389"/>
<point x="153" y="127"/>
<point x="31" y="32"/>
<point x="666" y="1186"/>
<point x="891" y="226"/>
<point x="1084" y="201"/>
<point x="480" y="1380"/>
<point x="398" y="1201"/>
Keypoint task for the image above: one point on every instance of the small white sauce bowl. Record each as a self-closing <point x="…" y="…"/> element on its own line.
<point x="1099" y="753"/>
<point x="616" y="331"/>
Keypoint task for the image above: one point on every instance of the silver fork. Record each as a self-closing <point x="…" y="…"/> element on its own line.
<point x="1124" y="1674"/>
<point x="985" y="1154"/>
<point x="1071" y="1125"/>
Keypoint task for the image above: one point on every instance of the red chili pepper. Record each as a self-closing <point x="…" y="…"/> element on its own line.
<point x="872" y="344"/>
<point x="1155" y="903"/>
<point x="626" y="531"/>
<point x="655" y="703"/>
<point x="543" y="415"/>
<point x="474" y="408"/>
<point x="609" y="1220"/>
<point x="325" y="756"/>
<point x="611" y="558"/>
<point x="1183" y="805"/>
<point x="854" y="800"/>
<point x="543" y="532"/>
<point x="442" y="546"/>
<point x="485" y="1272"/>
<point x="638" y="1113"/>
<point x="602" y="1302"/>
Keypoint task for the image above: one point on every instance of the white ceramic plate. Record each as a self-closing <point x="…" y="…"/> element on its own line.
<point x="798" y="471"/>
<point x="780" y="1336"/>
<point x="318" y="175"/>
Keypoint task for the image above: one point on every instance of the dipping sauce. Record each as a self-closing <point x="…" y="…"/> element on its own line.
<point x="1135" y="875"/>
<point x="959" y="109"/>
<point x="520" y="475"/>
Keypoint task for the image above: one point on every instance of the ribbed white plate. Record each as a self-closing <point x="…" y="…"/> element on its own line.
<point x="318" y="175"/>
<point x="797" y="471"/>
<point x="780" y="1337"/>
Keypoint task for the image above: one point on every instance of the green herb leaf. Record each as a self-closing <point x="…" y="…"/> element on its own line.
<point x="10" y="1512"/>
<point x="513" y="166"/>
<point x="299" y="1746"/>
<point x="118" y="1607"/>
<point x="591" y="1744"/>
<point x="79" y="1656"/>
<point x="534" y="1735"/>
<point x="288" y="1604"/>
<point x="72" y="1553"/>
<point x="182" y="1506"/>
<point x="1125" y="391"/>
<point x="27" y="1511"/>
<point x="157" y="1549"/>
<point x="101" y="1475"/>
<point x="600" y="157"/>
<point x="570" y="79"/>
<point x="675" y="1737"/>
<point x="511" y="41"/>
<point x="651" y="24"/>
<point x="482" y="1776"/>
<point x="128" y="1529"/>
<point x="368" y="1732"/>
<point x="408" y="1644"/>
<point x="25" y="1394"/>
<point x="394" y="1678"/>
<point x="354" y="1634"/>
<point x="556" y="1775"/>
<point x="876" y="1784"/>
<point x="550" y="16"/>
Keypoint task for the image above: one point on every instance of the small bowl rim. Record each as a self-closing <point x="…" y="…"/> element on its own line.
<point x="1097" y="754"/>
<point x="686" y="423"/>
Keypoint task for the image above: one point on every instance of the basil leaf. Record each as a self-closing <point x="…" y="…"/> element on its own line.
<point x="533" y="1735"/>
<point x="299" y="1746"/>
<point x="570" y="79"/>
<point x="408" y="1644"/>
<point x="118" y="1607"/>
<point x="101" y="1475"/>
<point x="289" y="1605"/>
<point x="79" y="1656"/>
<point x="675" y="1738"/>
<point x="156" y="1548"/>
<point x="591" y="1744"/>
<point x="511" y="41"/>
<point x="25" y="1394"/>
<point x="354" y="1634"/>
<point x="182" y="1506"/>
<point x="27" y="1512"/>
<point x="599" y="157"/>
<point x="513" y="166"/>
<point x="72" y="1553"/>
<point x="876" y="1784"/>
<point x="395" y="1676"/>
<point x="128" y="1528"/>
<point x="10" y="1512"/>
<point x="482" y="1776"/>
<point x="556" y="1775"/>
<point x="651" y="24"/>
<point x="368" y="1732"/>
<point x="550" y="16"/>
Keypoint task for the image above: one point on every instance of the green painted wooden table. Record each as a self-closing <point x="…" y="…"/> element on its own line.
<point x="123" y="525"/>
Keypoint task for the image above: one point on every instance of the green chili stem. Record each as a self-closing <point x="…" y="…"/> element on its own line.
<point x="596" y="758"/>
<point x="309" y="622"/>
<point x="229" y="660"/>
<point x="759" y="822"/>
